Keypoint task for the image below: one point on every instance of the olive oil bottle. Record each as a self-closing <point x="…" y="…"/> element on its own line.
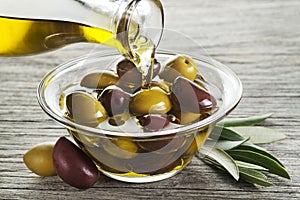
<point x="30" y="27"/>
<point x="27" y="36"/>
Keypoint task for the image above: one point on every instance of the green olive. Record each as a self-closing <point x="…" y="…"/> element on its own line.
<point x="84" y="109"/>
<point x="198" y="141"/>
<point x="150" y="101"/>
<point x="189" y="117"/>
<point x="180" y="66"/>
<point x="99" y="80"/>
<point x="163" y="85"/>
<point x="120" y="148"/>
<point x="39" y="160"/>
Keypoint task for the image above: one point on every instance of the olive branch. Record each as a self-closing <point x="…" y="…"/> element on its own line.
<point x="237" y="152"/>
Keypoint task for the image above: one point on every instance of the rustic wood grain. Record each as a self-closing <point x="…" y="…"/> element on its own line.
<point x="258" y="39"/>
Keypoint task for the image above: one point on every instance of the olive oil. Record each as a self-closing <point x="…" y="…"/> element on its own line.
<point x="31" y="36"/>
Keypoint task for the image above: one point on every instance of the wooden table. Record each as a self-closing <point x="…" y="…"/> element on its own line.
<point x="258" y="39"/>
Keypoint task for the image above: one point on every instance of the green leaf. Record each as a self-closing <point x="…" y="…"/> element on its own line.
<point x="227" y="134"/>
<point x="227" y="145"/>
<point x="250" y="144"/>
<point x="244" y="121"/>
<point x="259" y="159"/>
<point x="258" y="150"/>
<point x="223" y="159"/>
<point x="258" y="134"/>
<point x="249" y="165"/>
<point x="254" y="177"/>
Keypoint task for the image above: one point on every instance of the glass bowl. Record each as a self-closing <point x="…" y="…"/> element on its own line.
<point x="132" y="155"/>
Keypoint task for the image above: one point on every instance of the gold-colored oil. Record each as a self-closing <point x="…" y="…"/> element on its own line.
<point x="20" y="37"/>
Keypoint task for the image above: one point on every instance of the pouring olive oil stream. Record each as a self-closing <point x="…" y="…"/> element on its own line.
<point x="134" y="27"/>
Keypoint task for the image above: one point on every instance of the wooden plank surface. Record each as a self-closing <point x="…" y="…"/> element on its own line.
<point x="258" y="39"/>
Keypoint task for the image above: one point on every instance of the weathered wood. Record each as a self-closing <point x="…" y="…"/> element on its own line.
<point x="258" y="39"/>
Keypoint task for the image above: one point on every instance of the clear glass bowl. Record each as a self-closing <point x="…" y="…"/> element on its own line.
<point x="138" y="156"/>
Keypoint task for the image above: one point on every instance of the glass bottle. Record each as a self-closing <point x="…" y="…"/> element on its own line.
<point x="35" y="26"/>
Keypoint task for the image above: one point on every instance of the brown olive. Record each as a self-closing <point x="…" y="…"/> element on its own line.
<point x="130" y="78"/>
<point x="115" y="100"/>
<point x="39" y="160"/>
<point x="73" y="166"/>
<point x="156" y="68"/>
<point x="84" y="109"/>
<point x="150" y="101"/>
<point x="180" y="66"/>
<point x="154" y="122"/>
<point x="189" y="97"/>
<point x="99" y="80"/>
<point x="163" y="145"/>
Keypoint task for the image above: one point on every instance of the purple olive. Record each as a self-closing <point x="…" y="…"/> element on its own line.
<point x="130" y="78"/>
<point x="154" y="122"/>
<point x="114" y="100"/>
<point x="163" y="145"/>
<point x="156" y="68"/>
<point x="189" y="97"/>
<point x="73" y="166"/>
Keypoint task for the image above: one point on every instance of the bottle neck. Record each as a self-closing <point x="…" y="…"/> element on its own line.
<point x="138" y="26"/>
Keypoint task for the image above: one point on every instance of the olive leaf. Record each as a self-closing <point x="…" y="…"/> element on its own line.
<point x="236" y="152"/>
<point x="249" y="166"/>
<point x="227" y="145"/>
<point x="227" y="134"/>
<point x="221" y="157"/>
<point x="258" y="134"/>
<point x="259" y="159"/>
<point x="258" y="150"/>
<point x="255" y="177"/>
<point x="244" y="121"/>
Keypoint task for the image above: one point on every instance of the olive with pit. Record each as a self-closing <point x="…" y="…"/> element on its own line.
<point x="73" y="166"/>
<point x="39" y="160"/>
<point x="179" y="66"/>
<point x="189" y="97"/>
<point x="84" y="109"/>
<point x="150" y="101"/>
<point x="115" y="100"/>
<point x="99" y="80"/>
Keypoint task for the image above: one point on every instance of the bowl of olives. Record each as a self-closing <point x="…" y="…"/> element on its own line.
<point x="136" y="127"/>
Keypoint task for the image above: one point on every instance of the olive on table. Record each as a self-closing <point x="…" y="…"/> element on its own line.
<point x="84" y="109"/>
<point x="39" y="160"/>
<point x="99" y="80"/>
<point x="149" y="101"/>
<point x="115" y="100"/>
<point x="179" y="66"/>
<point x="189" y="97"/>
<point x="73" y="166"/>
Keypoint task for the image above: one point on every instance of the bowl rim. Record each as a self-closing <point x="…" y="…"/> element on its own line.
<point x="212" y="119"/>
